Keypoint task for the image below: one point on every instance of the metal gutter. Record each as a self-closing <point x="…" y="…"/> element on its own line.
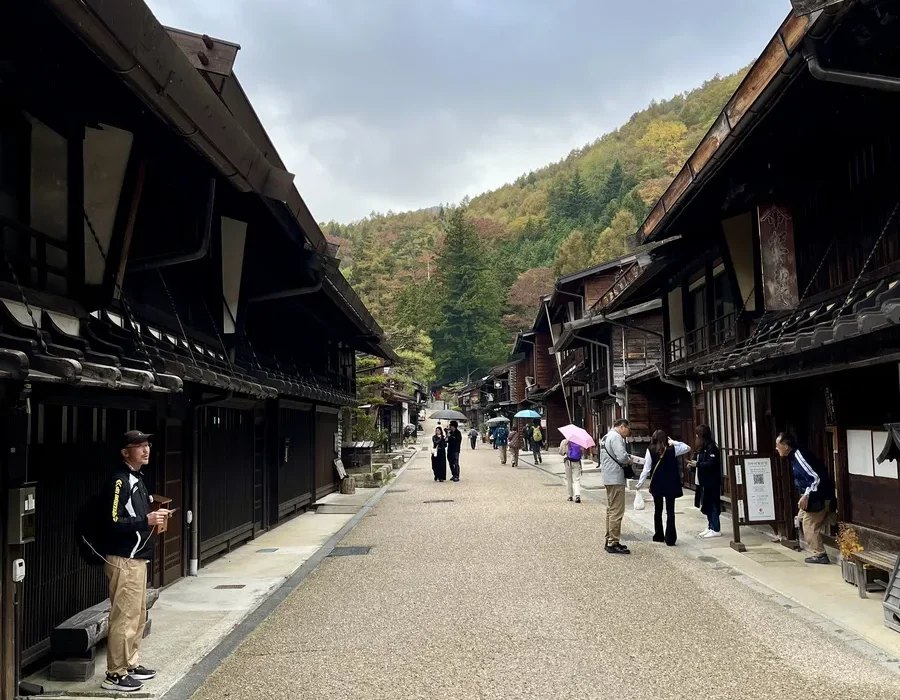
<point x="131" y="41"/>
<point x="833" y="75"/>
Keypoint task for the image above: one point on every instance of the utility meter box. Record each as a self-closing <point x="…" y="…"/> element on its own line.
<point x="22" y="515"/>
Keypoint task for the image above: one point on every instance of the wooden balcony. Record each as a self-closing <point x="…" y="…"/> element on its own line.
<point x="700" y="342"/>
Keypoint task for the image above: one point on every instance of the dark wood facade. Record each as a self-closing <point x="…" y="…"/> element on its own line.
<point x="781" y="301"/>
<point x="146" y="284"/>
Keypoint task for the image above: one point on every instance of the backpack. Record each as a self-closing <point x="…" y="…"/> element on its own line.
<point x="90" y="531"/>
<point x="537" y="435"/>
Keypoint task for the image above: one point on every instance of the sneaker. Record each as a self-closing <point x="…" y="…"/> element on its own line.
<point x="142" y="673"/>
<point x="570" y="498"/>
<point x="659" y="538"/>
<point x="709" y="534"/>
<point x="578" y="499"/>
<point x="703" y="534"/>
<point x="121" y="684"/>
<point x="617" y="548"/>
<point x="818" y="559"/>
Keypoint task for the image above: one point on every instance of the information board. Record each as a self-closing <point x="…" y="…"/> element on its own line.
<point x="759" y="489"/>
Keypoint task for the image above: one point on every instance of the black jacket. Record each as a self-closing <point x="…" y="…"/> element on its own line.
<point x="709" y="474"/>
<point x="454" y="442"/>
<point x="127" y="504"/>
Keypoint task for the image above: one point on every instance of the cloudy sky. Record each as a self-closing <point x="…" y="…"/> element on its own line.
<point x="403" y="104"/>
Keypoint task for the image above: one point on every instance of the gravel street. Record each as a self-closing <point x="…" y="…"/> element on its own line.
<point x="497" y="587"/>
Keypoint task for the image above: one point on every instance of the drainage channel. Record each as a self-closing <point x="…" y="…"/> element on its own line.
<point x="349" y="551"/>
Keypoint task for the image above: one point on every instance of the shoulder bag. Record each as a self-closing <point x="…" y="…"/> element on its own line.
<point x="626" y="468"/>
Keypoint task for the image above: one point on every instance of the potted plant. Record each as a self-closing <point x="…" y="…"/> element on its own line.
<point x="848" y="543"/>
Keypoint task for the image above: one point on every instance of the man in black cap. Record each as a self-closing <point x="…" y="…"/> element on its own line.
<point x="128" y="546"/>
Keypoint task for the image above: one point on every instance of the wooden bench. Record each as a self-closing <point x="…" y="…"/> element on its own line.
<point x="81" y="632"/>
<point x="885" y="561"/>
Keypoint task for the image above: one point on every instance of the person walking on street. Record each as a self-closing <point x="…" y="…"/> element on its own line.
<point x="661" y="466"/>
<point x="439" y="455"/>
<point x="127" y="548"/>
<point x="473" y="437"/>
<point x="501" y="436"/>
<point x="574" y="454"/>
<point x="454" y="446"/>
<point x="817" y="499"/>
<point x="526" y="436"/>
<point x="515" y="444"/>
<point x="708" y="464"/>
<point x="614" y="459"/>
<point x="537" y="438"/>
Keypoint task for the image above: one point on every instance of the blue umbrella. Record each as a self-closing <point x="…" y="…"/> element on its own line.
<point x="528" y="413"/>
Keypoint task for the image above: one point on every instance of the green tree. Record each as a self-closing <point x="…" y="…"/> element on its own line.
<point x="578" y="201"/>
<point x="611" y="242"/>
<point x="467" y="332"/>
<point x="573" y="255"/>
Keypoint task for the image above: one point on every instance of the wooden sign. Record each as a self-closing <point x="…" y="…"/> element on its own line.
<point x="339" y="465"/>
<point x="779" y="263"/>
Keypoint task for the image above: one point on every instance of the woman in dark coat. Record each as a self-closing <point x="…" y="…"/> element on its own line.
<point x="708" y="463"/>
<point x="661" y="466"/>
<point x="439" y="455"/>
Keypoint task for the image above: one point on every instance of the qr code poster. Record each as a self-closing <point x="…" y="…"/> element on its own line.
<point x="760" y="495"/>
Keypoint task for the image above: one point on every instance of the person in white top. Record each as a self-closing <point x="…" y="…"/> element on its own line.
<point x="662" y="468"/>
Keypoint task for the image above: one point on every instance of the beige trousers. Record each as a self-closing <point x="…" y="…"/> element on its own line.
<point x="515" y="456"/>
<point x="127" y="612"/>
<point x="573" y="478"/>
<point x="813" y="527"/>
<point x="502" y="454"/>
<point x="615" y="511"/>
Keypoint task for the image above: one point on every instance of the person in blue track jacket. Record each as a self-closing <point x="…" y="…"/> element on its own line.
<point x="816" y="489"/>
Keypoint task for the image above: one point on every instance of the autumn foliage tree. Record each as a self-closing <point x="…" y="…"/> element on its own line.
<point x="611" y="243"/>
<point x="530" y="286"/>
<point x="574" y="255"/>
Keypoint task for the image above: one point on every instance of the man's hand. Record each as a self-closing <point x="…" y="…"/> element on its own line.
<point x="803" y="503"/>
<point x="157" y="517"/>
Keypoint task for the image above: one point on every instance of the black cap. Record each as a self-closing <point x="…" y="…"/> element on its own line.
<point x="136" y="437"/>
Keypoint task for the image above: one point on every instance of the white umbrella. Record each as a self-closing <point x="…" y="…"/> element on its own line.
<point x="498" y="419"/>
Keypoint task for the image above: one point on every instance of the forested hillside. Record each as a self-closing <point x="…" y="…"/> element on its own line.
<point x="517" y="238"/>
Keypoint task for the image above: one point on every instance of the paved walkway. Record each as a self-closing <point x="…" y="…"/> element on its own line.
<point x="497" y="587"/>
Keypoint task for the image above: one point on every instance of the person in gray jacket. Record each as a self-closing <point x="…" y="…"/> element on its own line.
<point x="613" y="457"/>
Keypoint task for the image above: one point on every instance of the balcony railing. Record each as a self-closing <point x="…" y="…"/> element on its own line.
<point x="619" y="285"/>
<point x="699" y="342"/>
<point x="572" y="358"/>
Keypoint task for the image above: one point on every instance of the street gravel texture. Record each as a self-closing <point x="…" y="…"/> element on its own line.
<point x="506" y="592"/>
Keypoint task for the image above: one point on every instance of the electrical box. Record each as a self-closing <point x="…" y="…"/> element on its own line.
<point x="22" y="515"/>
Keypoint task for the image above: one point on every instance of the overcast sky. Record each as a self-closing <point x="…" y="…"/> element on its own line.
<point x="404" y="104"/>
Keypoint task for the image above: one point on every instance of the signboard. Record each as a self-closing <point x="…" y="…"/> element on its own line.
<point x="779" y="263"/>
<point x="760" y="492"/>
<point x="339" y="465"/>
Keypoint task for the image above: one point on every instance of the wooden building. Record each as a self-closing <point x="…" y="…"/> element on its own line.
<point x="160" y="271"/>
<point x="781" y="301"/>
<point x="600" y="352"/>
